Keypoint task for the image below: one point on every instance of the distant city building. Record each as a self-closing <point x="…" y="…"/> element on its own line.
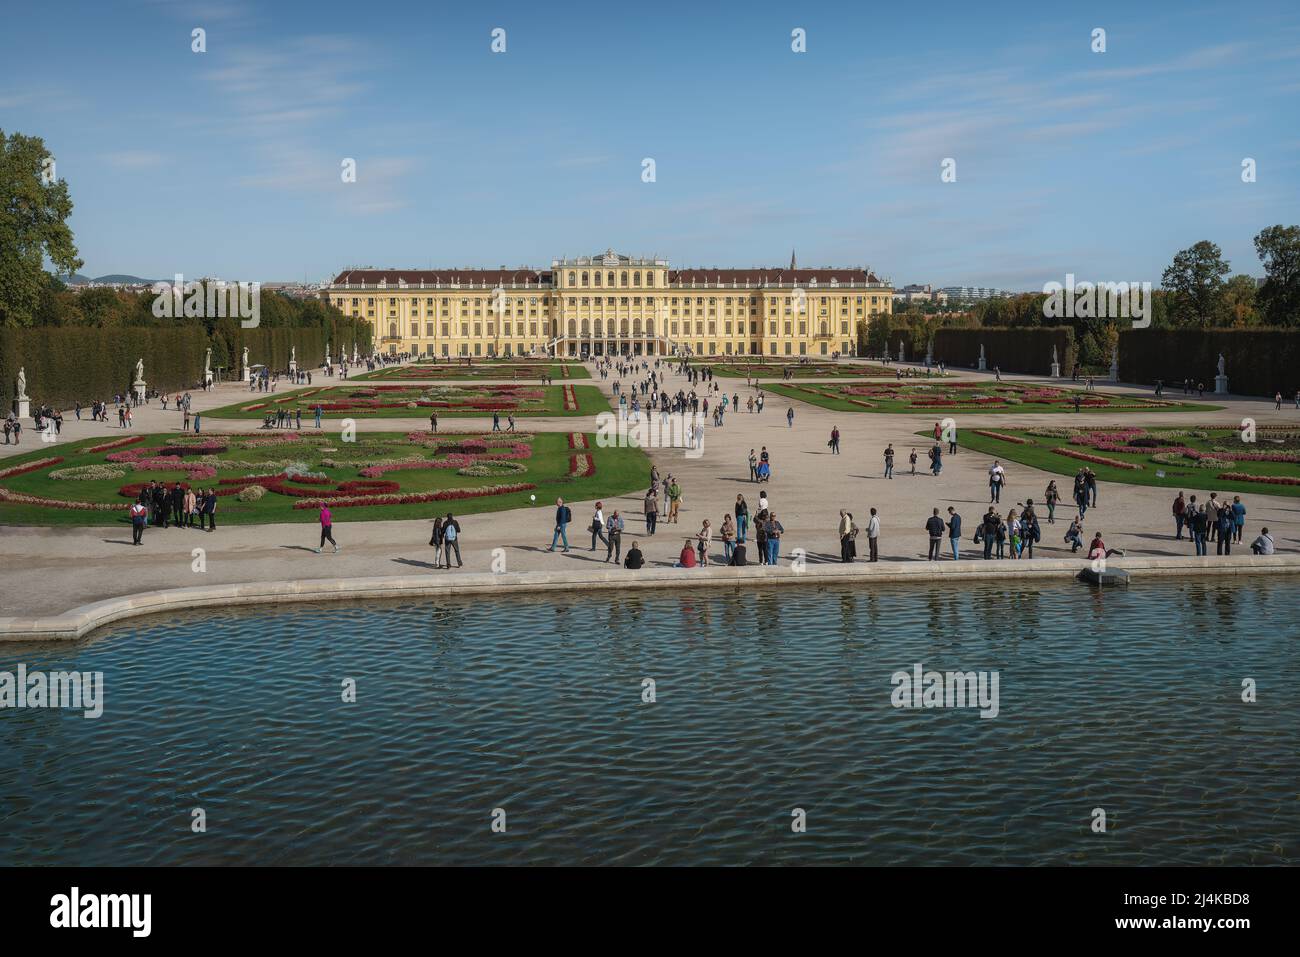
<point x="975" y="292"/>
<point x="915" y="293"/>
<point x="611" y="304"/>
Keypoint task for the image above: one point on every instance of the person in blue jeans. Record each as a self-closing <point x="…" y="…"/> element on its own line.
<point x="563" y="516"/>
<point x="954" y="532"/>
<point x="774" y="530"/>
<point x="1238" y="518"/>
<point x="1198" y="522"/>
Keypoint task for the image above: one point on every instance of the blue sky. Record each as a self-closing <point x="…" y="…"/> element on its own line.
<point x="228" y="162"/>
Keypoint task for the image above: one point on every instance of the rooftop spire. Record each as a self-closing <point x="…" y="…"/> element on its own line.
<point x="794" y="264"/>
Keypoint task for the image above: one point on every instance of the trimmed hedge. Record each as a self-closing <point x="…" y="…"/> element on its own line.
<point x="1025" y="349"/>
<point x="1257" y="361"/>
<point x="67" y="364"/>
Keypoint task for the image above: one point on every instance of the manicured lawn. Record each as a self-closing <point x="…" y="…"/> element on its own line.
<point x="296" y="469"/>
<point x="1172" y="457"/>
<point x="982" y="397"/>
<point x="406" y="401"/>
<point x="777" y="370"/>
<point x="480" y="369"/>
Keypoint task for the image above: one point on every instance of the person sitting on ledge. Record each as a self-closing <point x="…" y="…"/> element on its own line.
<point x="1098" y="548"/>
<point x="1263" y="545"/>
<point x="633" y="559"/>
<point x="738" y="555"/>
<point x="687" y="558"/>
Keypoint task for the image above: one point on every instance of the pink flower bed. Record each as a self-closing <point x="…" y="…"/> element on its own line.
<point x="1263" y="479"/>
<point x="577" y="440"/>
<point x="570" y="399"/>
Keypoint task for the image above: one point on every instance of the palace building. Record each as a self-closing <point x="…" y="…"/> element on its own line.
<point x="610" y="304"/>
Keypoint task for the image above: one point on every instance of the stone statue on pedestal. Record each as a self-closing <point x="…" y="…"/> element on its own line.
<point x="1221" y="380"/>
<point x="248" y="373"/>
<point x="22" y="404"/>
<point x="138" y="386"/>
<point x="983" y="365"/>
<point x="1056" y="364"/>
<point x="1114" y="363"/>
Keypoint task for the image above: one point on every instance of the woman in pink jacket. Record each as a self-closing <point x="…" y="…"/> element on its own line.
<point x="327" y="529"/>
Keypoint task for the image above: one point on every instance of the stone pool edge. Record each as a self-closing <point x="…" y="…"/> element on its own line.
<point x="79" y="622"/>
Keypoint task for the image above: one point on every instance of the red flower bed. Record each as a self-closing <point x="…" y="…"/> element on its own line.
<point x="116" y="443"/>
<point x="30" y="466"/>
<point x="1015" y="439"/>
<point x="18" y="498"/>
<point x="1096" y="459"/>
<point x="415" y="498"/>
<point x="582" y="466"/>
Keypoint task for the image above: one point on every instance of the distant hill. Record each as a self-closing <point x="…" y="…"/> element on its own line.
<point x="77" y="279"/>
<point x="120" y="278"/>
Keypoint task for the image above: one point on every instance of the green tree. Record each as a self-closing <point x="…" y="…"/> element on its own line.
<point x="1195" y="278"/>
<point x="33" y="226"/>
<point x="1239" y="299"/>
<point x="1279" y="298"/>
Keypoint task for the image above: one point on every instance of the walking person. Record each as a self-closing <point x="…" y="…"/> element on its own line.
<point x="1051" y="497"/>
<point x="563" y="516"/>
<point x="834" y="443"/>
<point x="936" y="460"/>
<point x="651" y="509"/>
<point x="1238" y="519"/>
<point x="997" y="479"/>
<point x="327" y="529"/>
<point x="597" y="527"/>
<point x="1180" y="511"/>
<point x="912" y="460"/>
<point x="889" y="461"/>
<point x="789" y="417"/>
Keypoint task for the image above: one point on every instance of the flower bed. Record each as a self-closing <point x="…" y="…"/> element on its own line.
<point x="1013" y="439"/>
<point x="116" y="444"/>
<point x="18" y="498"/>
<point x="1097" y="459"/>
<point x="30" y="467"/>
<point x="412" y="498"/>
<point x="581" y="466"/>
<point x="1264" y="479"/>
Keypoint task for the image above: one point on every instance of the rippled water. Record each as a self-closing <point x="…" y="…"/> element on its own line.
<point x="766" y="701"/>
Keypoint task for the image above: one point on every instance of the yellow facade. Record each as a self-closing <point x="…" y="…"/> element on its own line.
<point x="612" y="304"/>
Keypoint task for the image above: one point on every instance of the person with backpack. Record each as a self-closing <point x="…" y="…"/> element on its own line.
<point x="139" y="514"/>
<point x="451" y="541"/>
